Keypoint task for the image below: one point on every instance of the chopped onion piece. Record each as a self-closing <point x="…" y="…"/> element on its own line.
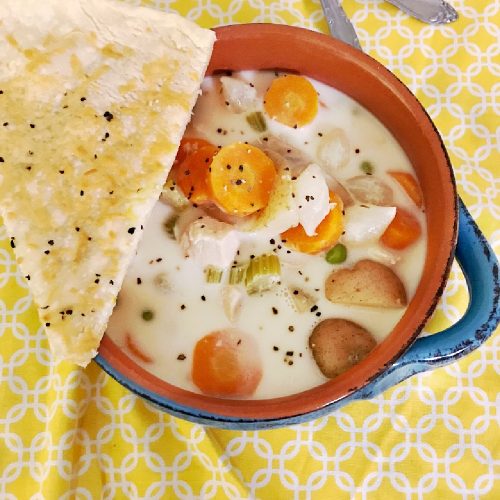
<point x="240" y="95"/>
<point x="232" y="300"/>
<point x="334" y="150"/>
<point x="301" y="300"/>
<point x="370" y="189"/>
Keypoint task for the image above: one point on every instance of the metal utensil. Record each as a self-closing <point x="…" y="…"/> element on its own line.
<point x="428" y="11"/>
<point x="338" y="23"/>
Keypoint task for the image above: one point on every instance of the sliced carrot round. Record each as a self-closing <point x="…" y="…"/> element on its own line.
<point x="191" y="176"/>
<point x="403" y="231"/>
<point x="291" y="100"/>
<point x="410" y="185"/>
<point x="226" y="363"/>
<point x="327" y="233"/>
<point x="241" y="179"/>
<point x="188" y="146"/>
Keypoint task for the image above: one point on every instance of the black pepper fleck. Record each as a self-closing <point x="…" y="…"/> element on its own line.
<point x="181" y="357"/>
<point x="50" y="242"/>
<point x="139" y="281"/>
<point x="275" y="348"/>
<point x="131" y="230"/>
<point x="275" y="311"/>
<point x="108" y="116"/>
<point x="203" y="298"/>
<point x="32" y="125"/>
<point x="183" y="307"/>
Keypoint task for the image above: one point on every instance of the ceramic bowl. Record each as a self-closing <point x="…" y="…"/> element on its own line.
<point x="261" y="46"/>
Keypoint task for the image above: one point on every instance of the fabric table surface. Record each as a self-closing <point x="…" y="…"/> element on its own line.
<point x="68" y="433"/>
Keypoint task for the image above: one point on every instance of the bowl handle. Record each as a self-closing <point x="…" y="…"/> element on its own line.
<point x="480" y="267"/>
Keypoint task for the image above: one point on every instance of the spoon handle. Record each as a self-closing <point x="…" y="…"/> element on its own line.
<point x="338" y="23"/>
<point x="428" y="11"/>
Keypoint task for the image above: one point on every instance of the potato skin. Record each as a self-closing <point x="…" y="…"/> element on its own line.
<point x="368" y="283"/>
<point x="338" y="344"/>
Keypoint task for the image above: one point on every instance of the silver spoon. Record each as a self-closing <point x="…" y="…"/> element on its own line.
<point x="338" y="23"/>
<point x="428" y="11"/>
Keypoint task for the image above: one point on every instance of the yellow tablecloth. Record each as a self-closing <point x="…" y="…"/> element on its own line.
<point x="71" y="433"/>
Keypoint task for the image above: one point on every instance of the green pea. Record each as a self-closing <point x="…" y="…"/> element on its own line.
<point x="147" y="315"/>
<point x="367" y="167"/>
<point x="337" y="254"/>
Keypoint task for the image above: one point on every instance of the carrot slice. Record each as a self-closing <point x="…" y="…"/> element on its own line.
<point x="188" y="146"/>
<point x="191" y="176"/>
<point x="241" y="178"/>
<point x="136" y="350"/>
<point x="291" y="100"/>
<point x="327" y="233"/>
<point x="410" y="185"/>
<point x="226" y="363"/>
<point x="403" y="231"/>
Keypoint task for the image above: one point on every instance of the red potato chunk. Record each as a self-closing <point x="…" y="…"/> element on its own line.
<point x="338" y="344"/>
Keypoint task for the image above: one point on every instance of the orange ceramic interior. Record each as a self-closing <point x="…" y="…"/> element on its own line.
<point x="259" y="46"/>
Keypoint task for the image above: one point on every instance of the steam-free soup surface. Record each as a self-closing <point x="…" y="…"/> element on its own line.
<point x="167" y="305"/>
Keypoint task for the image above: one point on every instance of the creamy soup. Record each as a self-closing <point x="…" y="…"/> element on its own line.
<point x="239" y="264"/>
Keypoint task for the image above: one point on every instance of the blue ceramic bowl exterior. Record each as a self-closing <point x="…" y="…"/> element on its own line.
<point x="480" y="267"/>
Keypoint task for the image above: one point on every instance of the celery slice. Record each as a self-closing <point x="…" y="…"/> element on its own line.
<point x="237" y="274"/>
<point x="302" y="301"/>
<point x="172" y="195"/>
<point x="262" y="273"/>
<point x="257" y="121"/>
<point x="213" y="274"/>
<point x="169" y="226"/>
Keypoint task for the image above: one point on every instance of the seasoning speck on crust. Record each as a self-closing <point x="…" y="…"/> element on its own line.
<point x="101" y="110"/>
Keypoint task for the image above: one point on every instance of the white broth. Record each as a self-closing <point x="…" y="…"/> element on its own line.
<point x="166" y="304"/>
